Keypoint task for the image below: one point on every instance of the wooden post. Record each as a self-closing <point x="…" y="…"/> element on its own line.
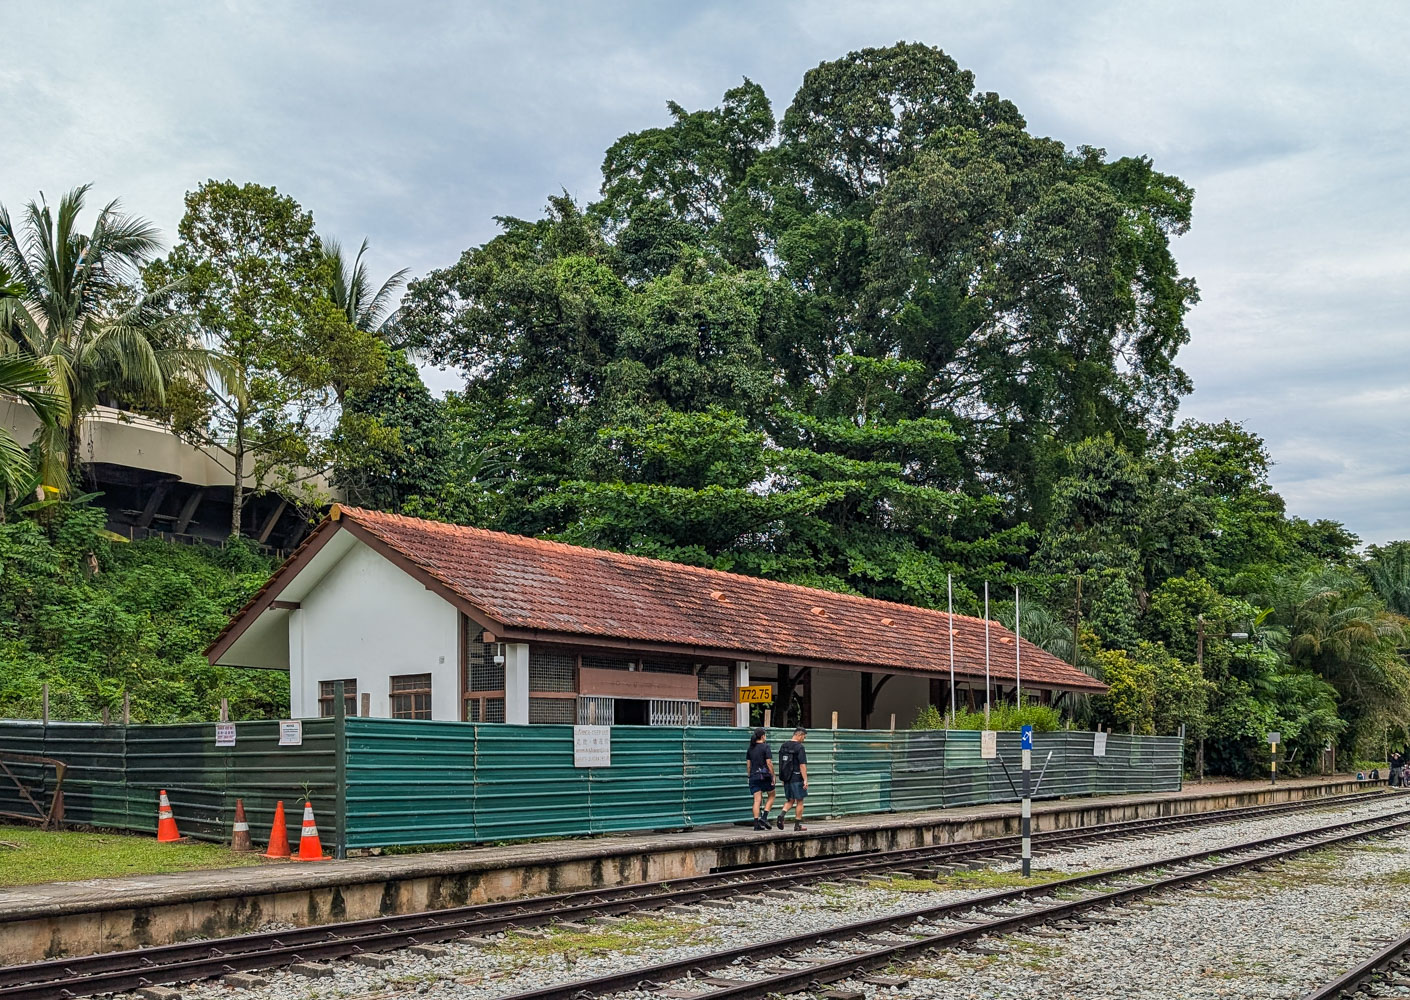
<point x="834" y="720"/>
<point x="768" y="718"/>
<point x="893" y="722"/>
<point x="103" y="715"/>
<point x="46" y="703"/>
<point x="224" y="710"/>
<point x="366" y="712"/>
<point x="126" y="709"/>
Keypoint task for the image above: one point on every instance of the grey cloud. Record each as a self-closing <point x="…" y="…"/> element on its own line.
<point x="416" y="123"/>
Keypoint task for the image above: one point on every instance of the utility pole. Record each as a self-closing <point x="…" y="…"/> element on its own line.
<point x="1199" y="659"/>
<point x="1076" y="619"/>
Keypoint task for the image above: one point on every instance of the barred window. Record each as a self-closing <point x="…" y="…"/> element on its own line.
<point x="551" y="670"/>
<point x="411" y="696"/>
<point x="717" y="683"/>
<point x="552" y="711"/>
<point x="717" y="716"/>
<point x="493" y="711"/>
<point x="484" y="674"/>
<point x="326" y="694"/>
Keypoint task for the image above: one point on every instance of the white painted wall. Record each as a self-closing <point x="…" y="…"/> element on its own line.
<point x="367" y="620"/>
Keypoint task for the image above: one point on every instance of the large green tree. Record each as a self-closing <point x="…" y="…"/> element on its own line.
<point x="253" y="280"/>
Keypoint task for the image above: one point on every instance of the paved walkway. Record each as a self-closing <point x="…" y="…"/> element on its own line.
<point x="139" y="890"/>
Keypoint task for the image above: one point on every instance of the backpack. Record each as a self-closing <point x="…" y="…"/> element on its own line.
<point x="788" y="760"/>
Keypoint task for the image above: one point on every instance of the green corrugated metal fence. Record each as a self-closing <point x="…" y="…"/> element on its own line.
<point x="446" y="782"/>
<point x="440" y="782"/>
<point x="115" y="773"/>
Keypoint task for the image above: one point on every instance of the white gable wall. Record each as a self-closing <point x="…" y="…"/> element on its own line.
<point x="365" y="621"/>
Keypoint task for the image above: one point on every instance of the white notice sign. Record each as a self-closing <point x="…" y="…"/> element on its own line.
<point x="291" y="733"/>
<point x="225" y="734"/>
<point x="592" y="746"/>
<point x="988" y="744"/>
<point x="1099" y="744"/>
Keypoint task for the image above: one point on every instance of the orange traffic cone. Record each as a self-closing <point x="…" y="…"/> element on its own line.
<point x="166" y="822"/>
<point x="278" y="834"/>
<point x="310" y="847"/>
<point x="240" y="836"/>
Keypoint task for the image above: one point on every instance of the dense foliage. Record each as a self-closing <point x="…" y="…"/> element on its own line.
<point x="883" y="339"/>
<point x="93" y="619"/>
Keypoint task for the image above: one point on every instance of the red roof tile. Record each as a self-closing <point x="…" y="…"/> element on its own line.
<point x="533" y="585"/>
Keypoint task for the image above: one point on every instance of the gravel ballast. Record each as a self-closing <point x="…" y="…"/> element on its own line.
<point x="1258" y="944"/>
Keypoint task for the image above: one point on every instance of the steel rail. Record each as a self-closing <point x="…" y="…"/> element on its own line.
<point x="114" y="971"/>
<point x="1359" y="979"/>
<point x="824" y="972"/>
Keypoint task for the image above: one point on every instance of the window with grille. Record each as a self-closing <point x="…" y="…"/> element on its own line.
<point x="493" y="710"/>
<point x="551" y="670"/>
<point x="552" y="711"/>
<point x="667" y="667"/>
<point x="411" y="696"/>
<point x="717" y="683"/>
<point x="717" y="716"/>
<point x="483" y="673"/>
<point x="596" y="710"/>
<point x="326" y="695"/>
<point x="670" y="712"/>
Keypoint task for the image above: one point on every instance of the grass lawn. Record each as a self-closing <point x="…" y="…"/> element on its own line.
<point x="28" y="855"/>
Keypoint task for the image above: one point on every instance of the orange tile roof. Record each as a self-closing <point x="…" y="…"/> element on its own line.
<point x="578" y="594"/>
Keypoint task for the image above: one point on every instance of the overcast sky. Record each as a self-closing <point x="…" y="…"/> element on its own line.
<point x="415" y="124"/>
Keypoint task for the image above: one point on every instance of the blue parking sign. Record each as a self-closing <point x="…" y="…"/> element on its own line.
<point x="1026" y="738"/>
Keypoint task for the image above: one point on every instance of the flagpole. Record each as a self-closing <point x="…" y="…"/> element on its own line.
<point x="986" y="654"/>
<point x="950" y="589"/>
<point x="1017" y="653"/>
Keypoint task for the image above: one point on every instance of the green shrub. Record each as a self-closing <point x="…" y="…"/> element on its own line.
<point x="1002" y="716"/>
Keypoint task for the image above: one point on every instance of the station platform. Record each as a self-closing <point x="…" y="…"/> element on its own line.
<point x="97" y="915"/>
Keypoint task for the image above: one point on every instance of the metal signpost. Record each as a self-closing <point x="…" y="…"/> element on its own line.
<point x="1026" y="742"/>
<point x="989" y="751"/>
<point x="1274" y="738"/>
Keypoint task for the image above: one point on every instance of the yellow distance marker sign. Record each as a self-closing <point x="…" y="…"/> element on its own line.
<point x="760" y="694"/>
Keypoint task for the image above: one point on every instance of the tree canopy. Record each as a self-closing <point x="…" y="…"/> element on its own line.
<point x="886" y="338"/>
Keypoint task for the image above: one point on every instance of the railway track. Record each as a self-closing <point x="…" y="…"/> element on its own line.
<point x="60" y="979"/>
<point x="808" y="962"/>
<point x="1384" y="974"/>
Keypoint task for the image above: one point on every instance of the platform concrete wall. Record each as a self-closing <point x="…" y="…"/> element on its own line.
<point x="366" y="621"/>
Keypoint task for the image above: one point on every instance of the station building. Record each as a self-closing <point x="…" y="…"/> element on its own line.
<point x="424" y="620"/>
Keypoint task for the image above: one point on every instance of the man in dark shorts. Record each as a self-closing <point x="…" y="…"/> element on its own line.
<point x="793" y="772"/>
<point x="761" y="776"/>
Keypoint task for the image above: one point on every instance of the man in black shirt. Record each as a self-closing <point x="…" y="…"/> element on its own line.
<point x="793" y="770"/>
<point x="761" y="776"/>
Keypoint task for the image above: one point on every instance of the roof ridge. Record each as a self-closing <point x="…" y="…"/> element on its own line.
<point x="424" y="524"/>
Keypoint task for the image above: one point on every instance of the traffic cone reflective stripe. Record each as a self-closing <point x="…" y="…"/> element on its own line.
<point x="240" y="834"/>
<point x="310" y="847"/>
<point x="166" y="822"/>
<point x="278" y="834"/>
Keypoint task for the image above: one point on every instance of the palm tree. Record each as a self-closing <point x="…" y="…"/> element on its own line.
<point x="78" y="312"/>
<point x="1388" y="569"/>
<point x="351" y="289"/>
<point x="27" y="380"/>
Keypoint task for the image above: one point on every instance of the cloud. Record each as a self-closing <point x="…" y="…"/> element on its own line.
<point x="416" y="124"/>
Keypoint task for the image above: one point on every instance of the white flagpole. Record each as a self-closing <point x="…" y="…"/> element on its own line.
<point x="1017" y="653"/>
<point x="986" y="654"/>
<point x="950" y="589"/>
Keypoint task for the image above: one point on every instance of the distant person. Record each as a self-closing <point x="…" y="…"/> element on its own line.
<point x="761" y="776"/>
<point x="793" y="770"/>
